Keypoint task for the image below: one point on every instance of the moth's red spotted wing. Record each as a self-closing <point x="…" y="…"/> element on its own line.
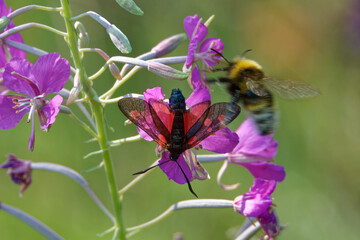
<point x="154" y="121"/>
<point x="214" y="118"/>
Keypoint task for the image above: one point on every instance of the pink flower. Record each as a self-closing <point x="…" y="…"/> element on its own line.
<point x="197" y="31"/>
<point x="34" y="83"/>
<point x="257" y="200"/>
<point x="254" y="152"/>
<point x="257" y="203"/>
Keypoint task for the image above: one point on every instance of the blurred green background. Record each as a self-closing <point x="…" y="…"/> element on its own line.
<point x="318" y="138"/>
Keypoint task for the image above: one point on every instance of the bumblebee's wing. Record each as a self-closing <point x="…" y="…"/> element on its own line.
<point x="145" y="116"/>
<point x="256" y="87"/>
<point x="289" y="89"/>
<point x="213" y="119"/>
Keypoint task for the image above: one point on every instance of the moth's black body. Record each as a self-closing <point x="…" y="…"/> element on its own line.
<point x="177" y="135"/>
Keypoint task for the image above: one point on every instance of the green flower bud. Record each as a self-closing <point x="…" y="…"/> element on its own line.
<point x="119" y="39"/>
<point x="4" y="22"/>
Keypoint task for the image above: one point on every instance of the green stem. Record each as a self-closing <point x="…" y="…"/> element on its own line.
<point x="28" y="26"/>
<point x="32" y="7"/>
<point x="99" y="119"/>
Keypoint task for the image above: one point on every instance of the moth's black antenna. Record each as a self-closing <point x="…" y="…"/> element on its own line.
<point x="144" y="171"/>
<point x="187" y="180"/>
<point x="245" y="52"/>
<point x="220" y="54"/>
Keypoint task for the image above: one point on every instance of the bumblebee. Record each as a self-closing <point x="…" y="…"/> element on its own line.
<point x="247" y="84"/>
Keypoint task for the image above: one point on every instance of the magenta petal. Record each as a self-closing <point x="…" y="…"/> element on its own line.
<point x="264" y="187"/>
<point x="172" y="170"/>
<point x="191" y="53"/>
<point x="3" y="59"/>
<point x="196" y="32"/>
<point x="14" y="52"/>
<point x="3" y="9"/>
<point x="210" y="57"/>
<point x="144" y="135"/>
<point x="50" y="72"/>
<point x="197" y="96"/>
<point x="16" y="38"/>
<point x="12" y="82"/>
<point x="223" y="141"/>
<point x="251" y="205"/>
<point x="8" y="116"/>
<point x="252" y="143"/>
<point x="270" y="224"/>
<point x="257" y="201"/>
<point x="265" y="170"/>
<point x="195" y="77"/>
<point x="191" y="23"/>
<point x="155" y="93"/>
<point x="51" y="110"/>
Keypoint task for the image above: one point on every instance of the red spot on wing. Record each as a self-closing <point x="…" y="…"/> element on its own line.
<point x="135" y="114"/>
<point x="207" y="122"/>
<point x="221" y="118"/>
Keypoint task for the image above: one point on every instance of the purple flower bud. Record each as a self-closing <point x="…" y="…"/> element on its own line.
<point x="19" y="171"/>
<point x="166" y="71"/>
<point x="169" y="44"/>
<point x="115" y="71"/>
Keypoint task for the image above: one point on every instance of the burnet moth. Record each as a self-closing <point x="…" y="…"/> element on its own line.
<point x="174" y="127"/>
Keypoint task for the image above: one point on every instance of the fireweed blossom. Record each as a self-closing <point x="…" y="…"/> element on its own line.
<point x="7" y="52"/>
<point x="34" y="82"/>
<point x="196" y="32"/>
<point x="19" y="171"/>
<point x="258" y="203"/>
<point x="254" y="152"/>
<point x="222" y="141"/>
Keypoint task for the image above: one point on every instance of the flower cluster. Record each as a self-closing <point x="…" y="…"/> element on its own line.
<point x="253" y="151"/>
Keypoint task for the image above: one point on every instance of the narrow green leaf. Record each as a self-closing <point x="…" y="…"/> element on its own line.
<point x="119" y="39"/>
<point x="130" y="6"/>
